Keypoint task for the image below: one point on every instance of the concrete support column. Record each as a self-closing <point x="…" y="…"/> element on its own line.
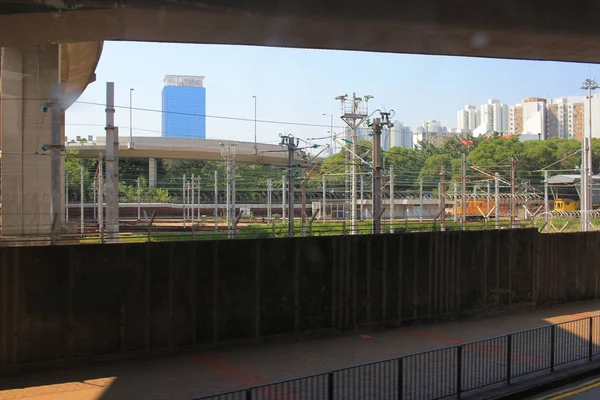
<point x="27" y="77"/>
<point x="152" y="172"/>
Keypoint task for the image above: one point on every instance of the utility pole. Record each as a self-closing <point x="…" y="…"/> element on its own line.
<point x="362" y="197"/>
<point x="455" y="216"/>
<point x="292" y="144"/>
<point x="228" y="153"/>
<point x="183" y="203"/>
<point x="497" y="199"/>
<point x="442" y="198"/>
<point x="199" y="181"/>
<point x="94" y="207"/>
<point x="324" y="207"/>
<point x="101" y="198"/>
<point x="353" y="116"/>
<point x="283" y="199"/>
<point x="216" y="212"/>
<point x="139" y="199"/>
<point x="269" y="197"/>
<point x="193" y="208"/>
<point x="234" y="217"/>
<point x="586" y="157"/>
<point x="546" y="202"/>
<point x="303" y="201"/>
<point x="488" y="204"/>
<point x="392" y="202"/>
<point x="420" y="200"/>
<point x="112" y="167"/>
<point x="463" y="202"/>
<point x="512" y="192"/>
<point x="66" y="196"/>
<point x="81" y="195"/>
<point x="377" y="127"/>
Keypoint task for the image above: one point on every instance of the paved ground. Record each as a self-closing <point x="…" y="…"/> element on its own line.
<point x="185" y="376"/>
<point x="588" y="389"/>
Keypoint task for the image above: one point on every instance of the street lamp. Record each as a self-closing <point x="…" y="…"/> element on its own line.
<point x="131" y="118"/>
<point x="255" y="142"/>
<point x="330" y="133"/>
<point x="586" y="158"/>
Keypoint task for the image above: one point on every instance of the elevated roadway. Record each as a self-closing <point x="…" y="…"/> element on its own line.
<point x="184" y="149"/>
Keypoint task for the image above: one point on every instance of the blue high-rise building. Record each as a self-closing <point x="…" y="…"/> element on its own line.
<point x="184" y="107"/>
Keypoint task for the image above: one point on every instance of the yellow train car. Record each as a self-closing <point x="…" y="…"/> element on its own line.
<point x="566" y="205"/>
<point x="475" y="209"/>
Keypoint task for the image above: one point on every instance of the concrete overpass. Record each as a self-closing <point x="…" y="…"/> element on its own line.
<point x="184" y="149"/>
<point x="152" y="148"/>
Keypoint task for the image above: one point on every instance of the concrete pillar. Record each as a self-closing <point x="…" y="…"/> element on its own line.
<point x="27" y="78"/>
<point x="152" y="172"/>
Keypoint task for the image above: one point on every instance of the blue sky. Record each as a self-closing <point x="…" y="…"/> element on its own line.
<point x="298" y="85"/>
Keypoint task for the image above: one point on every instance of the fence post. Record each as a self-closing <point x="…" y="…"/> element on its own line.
<point x="591" y="339"/>
<point x="508" y="358"/>
<point x="330" y="388"/>
<point x="552" y="346"/>
<point x="400" y="378"/>
<point x="458" y="371"/>
<point x="248" y="394"/>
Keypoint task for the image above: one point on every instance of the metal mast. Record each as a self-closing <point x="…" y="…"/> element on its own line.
<point x="354" y="112"/>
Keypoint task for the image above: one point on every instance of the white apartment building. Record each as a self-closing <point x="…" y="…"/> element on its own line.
<point x="468" y="119"/>
<point x="494" y="118"/>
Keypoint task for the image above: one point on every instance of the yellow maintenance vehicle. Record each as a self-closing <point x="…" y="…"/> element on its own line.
<point x="565" y="191"/>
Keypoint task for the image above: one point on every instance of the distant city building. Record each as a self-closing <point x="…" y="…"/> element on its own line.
<point x="529" y="118"/>
<point x="437" y="138"/>
<point x="431" y="132"/>
<point x="534" y="118"/>
<point x="407" y="137"/>
<point x="184" y="107"/>
<point x="396" y="134"/>
<point x="494" y="118"/>
<point x="468" y="119"/>
<point x="565" y="118"/>
<point x="433" y="126"/>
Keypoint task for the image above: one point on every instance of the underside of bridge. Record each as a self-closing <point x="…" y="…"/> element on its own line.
<point x="507" y="29"/>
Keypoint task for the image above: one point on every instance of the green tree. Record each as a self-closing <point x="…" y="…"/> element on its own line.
<point x="431" y="169"/>
<point x="73" y="166"/>
<point x="495" y="151"/>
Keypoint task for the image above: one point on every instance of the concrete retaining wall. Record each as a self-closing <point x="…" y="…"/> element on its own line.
<point x="80" y="301"/>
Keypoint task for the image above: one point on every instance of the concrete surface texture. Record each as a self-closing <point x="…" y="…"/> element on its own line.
<point x="28" y="74"/>
<point x="510" y="29"/>
<point x="186" y="376"/>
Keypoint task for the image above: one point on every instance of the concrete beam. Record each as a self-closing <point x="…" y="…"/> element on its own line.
<point x="509" y="29"/>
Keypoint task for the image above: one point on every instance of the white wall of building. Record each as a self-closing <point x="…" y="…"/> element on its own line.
<point x="494" y="118"/>
<point x="534" y="118"/>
